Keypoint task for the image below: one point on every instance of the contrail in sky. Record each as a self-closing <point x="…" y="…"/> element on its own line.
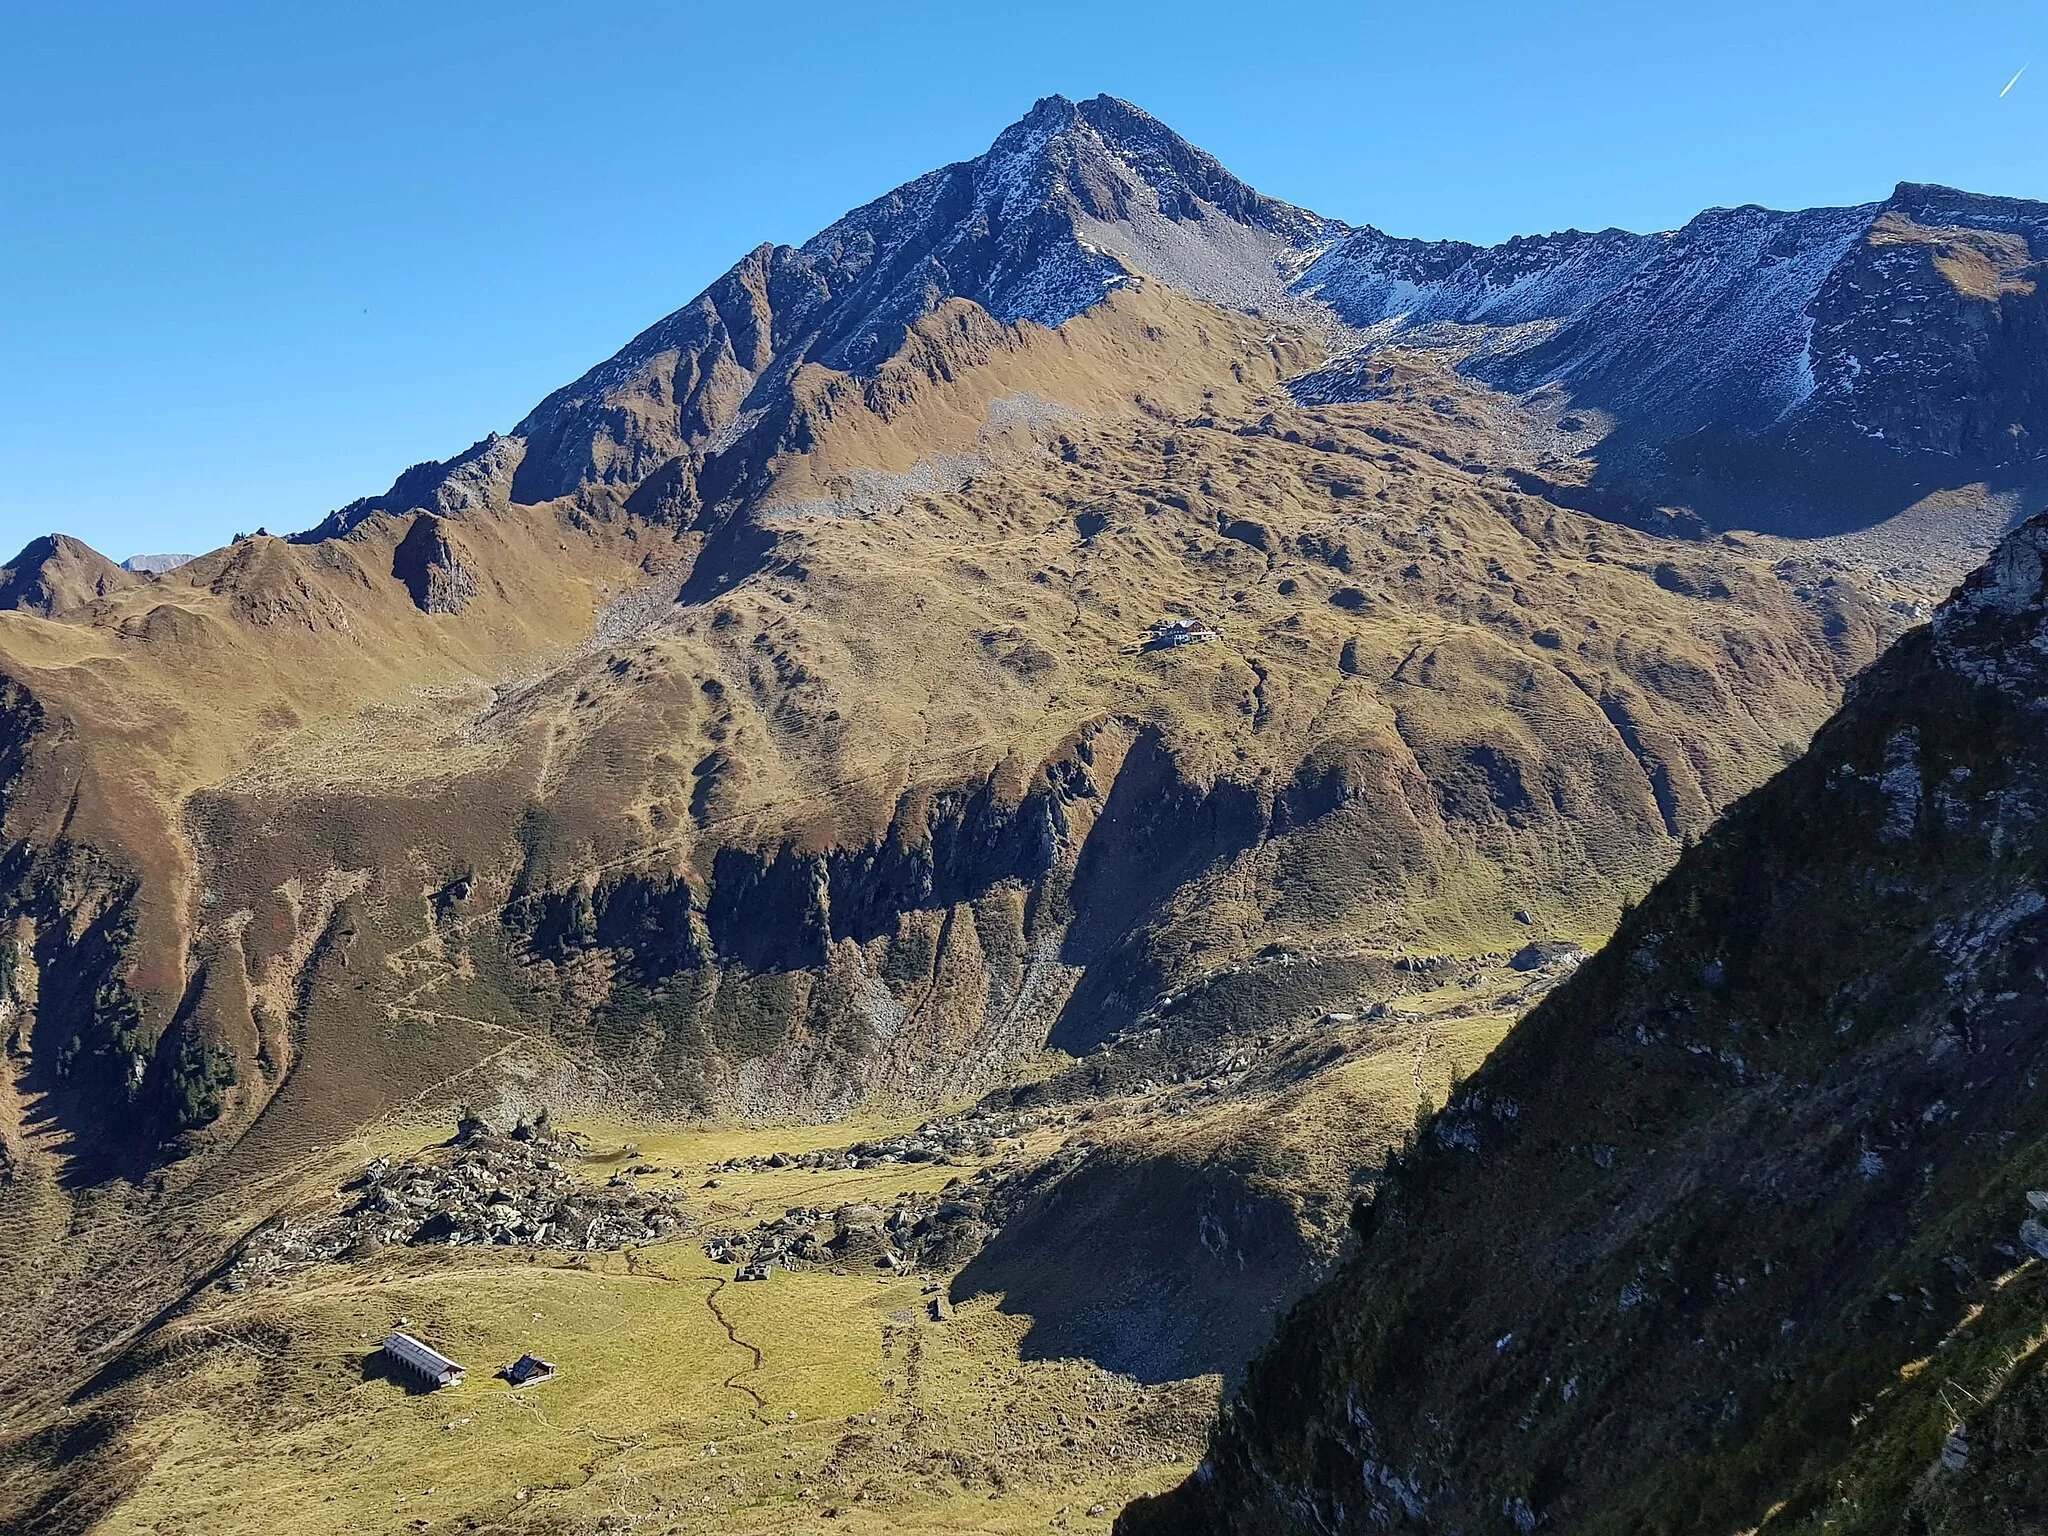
<point x="2015" y="80"/>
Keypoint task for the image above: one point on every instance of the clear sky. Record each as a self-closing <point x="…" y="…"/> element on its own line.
<point x="259" y="257"/>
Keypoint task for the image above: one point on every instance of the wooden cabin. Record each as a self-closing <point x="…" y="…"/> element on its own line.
<point x="529" y="1371"/>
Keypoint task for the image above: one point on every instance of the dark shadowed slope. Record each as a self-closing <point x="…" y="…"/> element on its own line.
<point x="1737" y="1227"/>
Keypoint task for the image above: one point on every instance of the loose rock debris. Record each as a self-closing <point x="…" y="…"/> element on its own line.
<point x="480" y="1189"/>
<point x="916" y="1232"/>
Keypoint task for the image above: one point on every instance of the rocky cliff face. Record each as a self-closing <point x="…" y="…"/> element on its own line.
<point x="431" y="565"/>
<point x="1742" y="1227"/>
<point x="1928" y="338"/>
<point x="1798" y="372"/>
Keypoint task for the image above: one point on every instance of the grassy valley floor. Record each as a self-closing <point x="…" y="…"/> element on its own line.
<point x="838" y="1395"/>
<point x="685" y="1401"/>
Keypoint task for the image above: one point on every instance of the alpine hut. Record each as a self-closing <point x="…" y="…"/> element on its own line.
<point x="529" y="1371"/>
<point x="1168" y="633"/>
<point x="423" y="1361"/>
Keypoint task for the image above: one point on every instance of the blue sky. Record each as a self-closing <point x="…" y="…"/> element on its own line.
<point x="261" y="257"/>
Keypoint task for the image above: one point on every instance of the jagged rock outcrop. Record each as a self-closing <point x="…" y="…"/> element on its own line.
<point x="430" y="562"/>
<point x="1735" y="1229"/>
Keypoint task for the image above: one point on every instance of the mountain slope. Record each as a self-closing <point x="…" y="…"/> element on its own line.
<point x="1524" y="685"/>
<point x="790" y="719"/>
<point x="1735" y="1231"/>
<point x="293" y="855"/>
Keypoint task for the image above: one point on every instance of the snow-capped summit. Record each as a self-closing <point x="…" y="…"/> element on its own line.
<point x="1049" y="219"/>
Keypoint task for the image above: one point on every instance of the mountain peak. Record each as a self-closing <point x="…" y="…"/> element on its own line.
<point x="56" y="574"/>
<point x="1067" y="203"/>
<point x="1930" y="203"/>
<point x="1053" y="215"/>
<point x="1103" y="113"/>
<point x="1048" y="112"/>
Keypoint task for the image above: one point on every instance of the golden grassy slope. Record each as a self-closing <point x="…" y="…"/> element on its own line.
<point x="301" y="670"/>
